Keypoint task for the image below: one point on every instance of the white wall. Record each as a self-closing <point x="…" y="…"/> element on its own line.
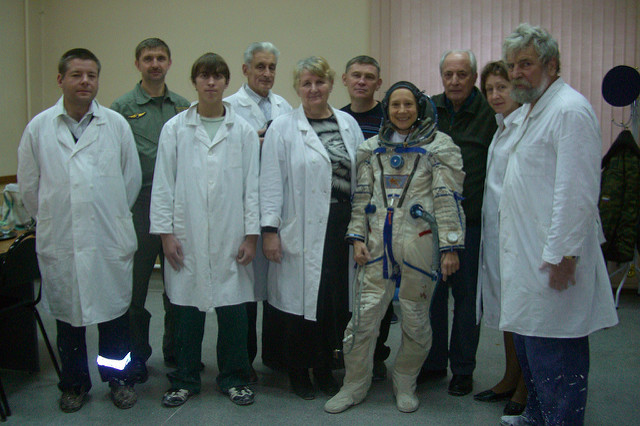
<point x="335" y="29"/>
<point x="13" y="101"/>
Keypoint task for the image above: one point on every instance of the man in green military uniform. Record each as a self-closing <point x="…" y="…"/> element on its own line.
<point x="147" y="107"/>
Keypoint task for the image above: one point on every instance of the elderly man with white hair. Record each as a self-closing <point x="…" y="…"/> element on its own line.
<point x="555" y="287"/>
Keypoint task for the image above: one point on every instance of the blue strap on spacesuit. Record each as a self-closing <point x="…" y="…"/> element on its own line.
<point x="401" y="150"/>
<point x="387" y="236"/>
<point x="416" y="149"/>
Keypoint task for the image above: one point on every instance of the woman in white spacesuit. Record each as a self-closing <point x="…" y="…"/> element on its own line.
<point x="406" y="227"/>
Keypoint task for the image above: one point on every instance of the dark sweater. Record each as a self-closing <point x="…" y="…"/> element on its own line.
<point x="472" y="129"/>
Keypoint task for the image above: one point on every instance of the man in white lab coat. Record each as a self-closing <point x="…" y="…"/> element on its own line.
<point x="205" y="206"/>
<point x="79" y="175"/>
<point x="258" y="105"/>
<point x="555" y="287"/>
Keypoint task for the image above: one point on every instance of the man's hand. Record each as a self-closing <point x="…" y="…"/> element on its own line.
<point x="247" y="250"/>
<point x="360" y="253"/>
<point x="449" y="263"/>
<point x="271" y="247"/>
<point x="563" y="274"/>
<point x="172" y="251"/>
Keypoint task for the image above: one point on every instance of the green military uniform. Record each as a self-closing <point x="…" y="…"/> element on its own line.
<point x="620" y="198"/>
<point x="147" y="116"/>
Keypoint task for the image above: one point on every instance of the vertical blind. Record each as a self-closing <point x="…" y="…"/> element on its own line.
<point x="409" y="36"/>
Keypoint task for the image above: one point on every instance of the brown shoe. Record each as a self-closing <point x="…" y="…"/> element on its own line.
<point x="122" y="394"/>
<point x="72" y="401"/>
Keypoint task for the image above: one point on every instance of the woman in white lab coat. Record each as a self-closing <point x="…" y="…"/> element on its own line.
<point x="205" y="206"/>
<point x="496" y="87"/>
<point x="307" y="177"/>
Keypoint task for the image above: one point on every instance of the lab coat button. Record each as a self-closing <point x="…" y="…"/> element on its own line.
<point x="452" y="237"/>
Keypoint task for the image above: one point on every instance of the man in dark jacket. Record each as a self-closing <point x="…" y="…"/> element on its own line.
<point x="465" y="115"/>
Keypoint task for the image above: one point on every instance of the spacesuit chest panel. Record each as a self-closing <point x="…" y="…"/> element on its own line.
<point x="397" y="171"/>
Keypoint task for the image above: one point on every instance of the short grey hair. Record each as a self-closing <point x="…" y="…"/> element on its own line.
<point x="472" y="59"/>
<point x="260" y="46"/>
<point x="526" y="35"/>
<point x="316" y="65"/>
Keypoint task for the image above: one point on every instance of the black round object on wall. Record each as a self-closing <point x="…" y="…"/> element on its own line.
<point x="621" y="86"/>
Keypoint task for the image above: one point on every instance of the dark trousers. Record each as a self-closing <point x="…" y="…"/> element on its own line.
<point x="464" y="332"/>
<point x="382" y="351"/>
<point x="149" y="248"/>
<point x="555" y="372"/>
<point x="113" y="344"/>
<point x="252" y="335"/>
<point x="290" y="341"/>
<point x="231" y="347"/>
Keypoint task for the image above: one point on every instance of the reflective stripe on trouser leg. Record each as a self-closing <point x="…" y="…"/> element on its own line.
<point x="117" y="364"/>
<point x="113" y="345"/>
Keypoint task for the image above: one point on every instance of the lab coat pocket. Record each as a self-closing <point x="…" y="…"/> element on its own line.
<point x="45" y="240"/>
<point x="127" y="236"/>
<point x="291" y="236"/>
<point x="109" y="163"/>
<point x="534" y="160"/>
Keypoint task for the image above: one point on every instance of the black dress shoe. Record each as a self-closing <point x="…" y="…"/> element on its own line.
<point x="461" y="384"/>
<point x="431" y="375"/>
<point x="301" y="383"/>
<point x="325" y="380"/>
<point x="514" y="408"/>
<point x="491" y="396"/>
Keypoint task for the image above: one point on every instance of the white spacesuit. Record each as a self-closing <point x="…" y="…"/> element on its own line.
<point x="402" y="186"/>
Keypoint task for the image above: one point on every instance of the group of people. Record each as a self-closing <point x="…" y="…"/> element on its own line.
<point x="249" y="200"/>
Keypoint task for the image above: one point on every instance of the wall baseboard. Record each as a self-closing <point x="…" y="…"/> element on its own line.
<point x="8" y="179"/>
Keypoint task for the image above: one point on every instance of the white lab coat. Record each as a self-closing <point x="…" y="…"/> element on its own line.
<point x="244" y="105"/>
<point x="206" y="193"/>
<point x="81" y="194"/>
<point x="295" y="195"/>
<point x="488" y="293"/>
<point x="549" y="209"/>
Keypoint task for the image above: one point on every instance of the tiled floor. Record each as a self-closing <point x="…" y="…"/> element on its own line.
<point x="614" y="387"/>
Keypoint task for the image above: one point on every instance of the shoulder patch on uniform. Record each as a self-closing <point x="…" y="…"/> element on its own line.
<point x="136" y="115"/>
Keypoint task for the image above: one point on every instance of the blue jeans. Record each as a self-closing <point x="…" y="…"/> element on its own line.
<point x="555" y="372"/>
<point x="464" y="332"/>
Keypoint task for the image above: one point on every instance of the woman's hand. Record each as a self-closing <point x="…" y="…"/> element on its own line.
<point x="271" y="247"/>
<point x="172" y="251"/>
<point x="360" y="253"/>
<point x="449" y="263"/>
